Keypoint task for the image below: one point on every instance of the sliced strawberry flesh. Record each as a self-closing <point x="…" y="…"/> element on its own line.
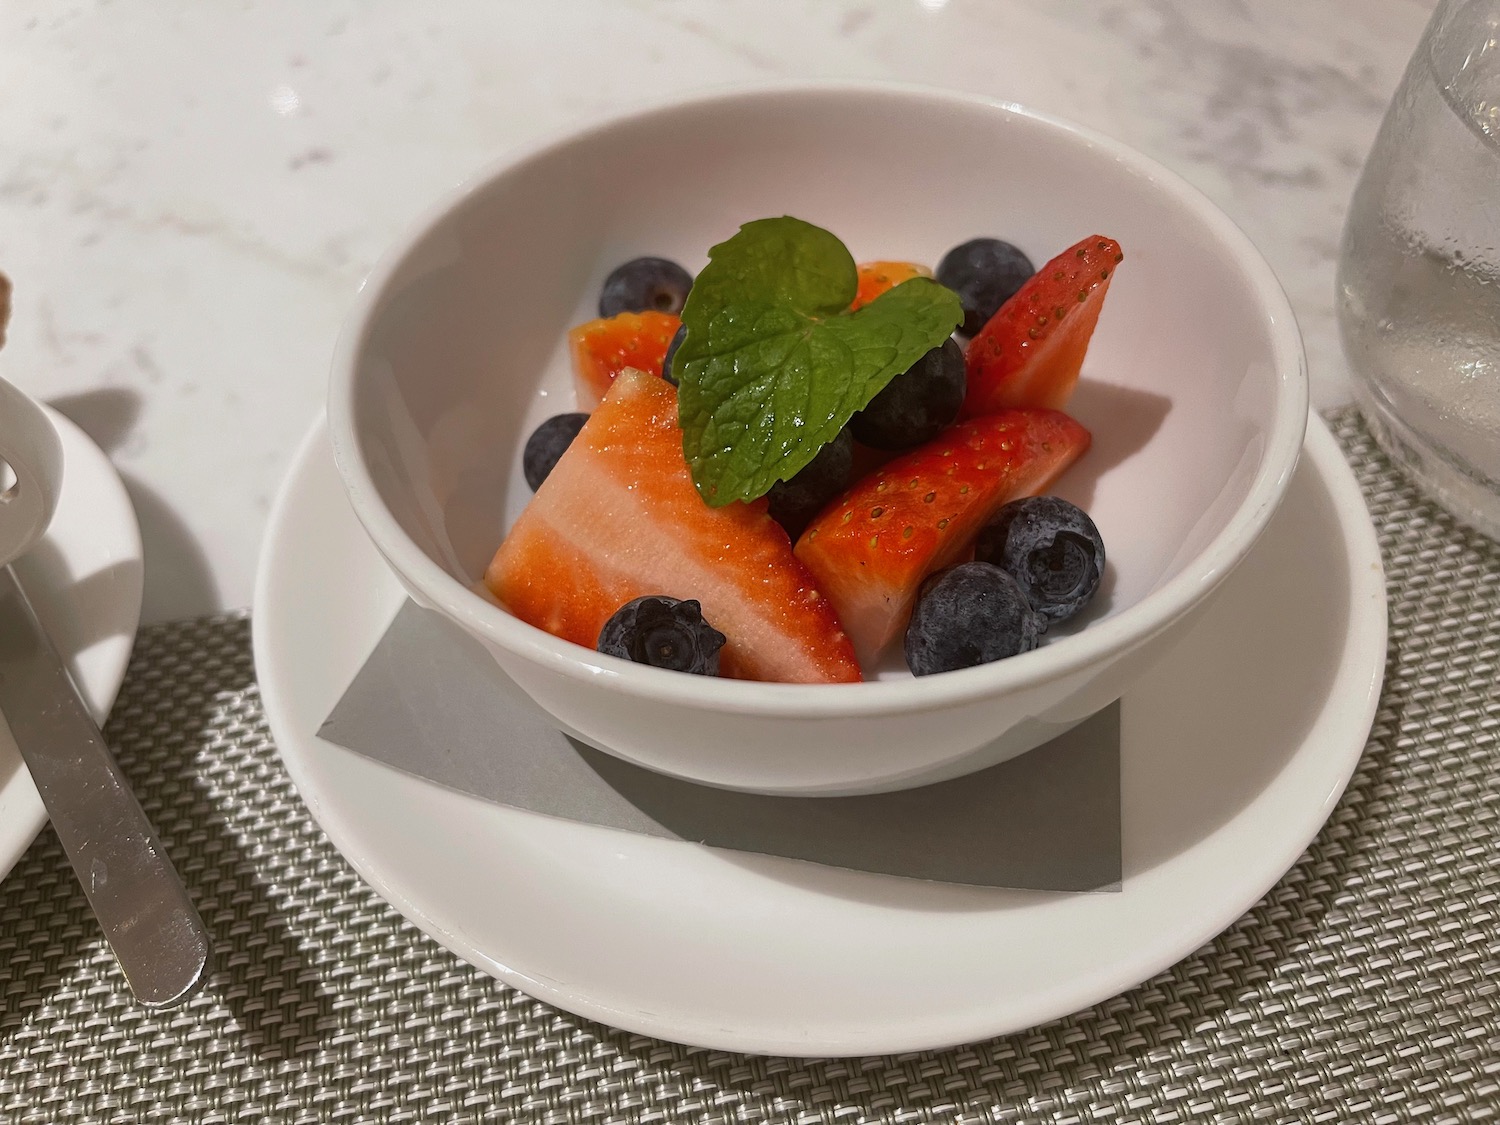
<point x="619" y="518"/>
<point x="869" y="550"/>
<point x="601" y="349"/>
<point x="1032" y="350"/>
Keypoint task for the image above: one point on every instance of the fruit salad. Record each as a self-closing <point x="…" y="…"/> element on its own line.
<point x="791" y="464"/>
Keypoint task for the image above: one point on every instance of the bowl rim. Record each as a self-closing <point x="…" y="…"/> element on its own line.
<point x="1098" y="642"/>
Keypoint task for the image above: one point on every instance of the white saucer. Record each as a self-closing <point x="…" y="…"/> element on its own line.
<point x="85" y="580"/>
<point x="1234" y="753"/>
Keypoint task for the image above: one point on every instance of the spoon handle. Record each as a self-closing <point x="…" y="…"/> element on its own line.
<point x="137" y="895"/>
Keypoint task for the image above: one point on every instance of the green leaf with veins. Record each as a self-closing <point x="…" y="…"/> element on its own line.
<point x="773" y="364"/>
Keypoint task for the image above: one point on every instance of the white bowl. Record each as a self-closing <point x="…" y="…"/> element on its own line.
<point x="1194" y="388"/>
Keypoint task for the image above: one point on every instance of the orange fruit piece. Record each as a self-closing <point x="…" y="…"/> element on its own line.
<point x="876" y="277"/>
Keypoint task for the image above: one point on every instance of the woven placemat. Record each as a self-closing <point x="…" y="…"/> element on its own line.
<point x="1364" y="988"/>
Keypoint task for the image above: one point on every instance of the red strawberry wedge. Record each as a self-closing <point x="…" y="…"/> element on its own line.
<point x="601" y="349"/>
<point x="1030" y="352"/>
<point x="870" y="549"/>
<point x="618" y="518"/>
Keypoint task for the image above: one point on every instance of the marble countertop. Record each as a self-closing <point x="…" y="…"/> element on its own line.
<point x="190" y="194"/>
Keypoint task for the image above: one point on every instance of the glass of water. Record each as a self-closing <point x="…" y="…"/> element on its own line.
<point x="1419" y="271"/>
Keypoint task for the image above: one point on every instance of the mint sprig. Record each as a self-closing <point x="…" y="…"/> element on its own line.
<point x="773" y="364"/>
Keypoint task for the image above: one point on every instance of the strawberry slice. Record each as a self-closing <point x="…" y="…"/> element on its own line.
<point x="618" y="518"/>
<point x="601" y="349"/>
<point x="876" y="277"/>
<point x="1030" y="352"/>
<point x="869" y="550"/>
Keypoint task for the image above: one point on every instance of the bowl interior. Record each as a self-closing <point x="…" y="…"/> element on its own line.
<point x="463" y="350"/>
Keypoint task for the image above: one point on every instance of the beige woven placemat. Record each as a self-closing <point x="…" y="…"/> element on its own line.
<point x="1364" y="988"/>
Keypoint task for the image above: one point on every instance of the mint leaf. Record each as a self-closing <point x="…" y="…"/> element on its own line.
<point x="773" y="365"/>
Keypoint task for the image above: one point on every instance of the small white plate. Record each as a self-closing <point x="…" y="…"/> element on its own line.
<point x="1234" y="753"/>
<point x="84" y="579"/>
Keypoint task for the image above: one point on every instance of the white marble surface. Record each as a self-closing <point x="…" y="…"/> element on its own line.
<point x="190" y="194"/>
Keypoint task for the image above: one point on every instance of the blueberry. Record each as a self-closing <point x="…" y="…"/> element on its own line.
<point x="1051" y="548"/>
<point x="645" y="285"/>
<point x="968" y="614"/>
<point x="547" y="443"/>
<point x="915" y="405"/>
<point x="666" y="363"/>
<point x="793" y="503"/>
<point x="985" y="273"/>
<point x="664" y="633"/>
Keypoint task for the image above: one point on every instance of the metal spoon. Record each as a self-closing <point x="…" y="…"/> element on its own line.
<point x="142" y="906"/>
